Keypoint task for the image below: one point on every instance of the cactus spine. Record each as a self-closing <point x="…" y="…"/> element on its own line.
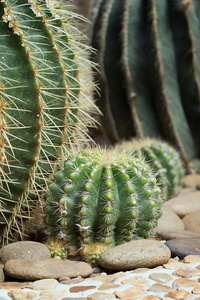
<point x="44" y="107"/>
<point x="163" y="159"/>
<point x="102" y="198"/>
<point x="155" y="75"/>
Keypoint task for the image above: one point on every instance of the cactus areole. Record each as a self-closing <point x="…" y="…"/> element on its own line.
<point x="102" y="197"/>
<point x="43" y="105"/>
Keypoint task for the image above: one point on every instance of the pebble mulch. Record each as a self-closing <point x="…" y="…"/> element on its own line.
<point x="173" y="280"/>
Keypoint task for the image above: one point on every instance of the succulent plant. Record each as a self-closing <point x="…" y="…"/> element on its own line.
<point x="163" y="159"/>
<point x="44" y="85"/>
<point x="56" y="248"/>
<point x="101" y="198"/>
<point x="148" y="52"/>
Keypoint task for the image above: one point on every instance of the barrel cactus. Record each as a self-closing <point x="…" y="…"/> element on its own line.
<point x="148" y="51"/>
<point x="101" y="198"/>
<point x="44" y="81"/>
<point x="56" y="248"/>
<point x="163" y="159"/>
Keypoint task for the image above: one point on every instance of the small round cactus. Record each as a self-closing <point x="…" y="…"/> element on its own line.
<point x="102" y="196"/>
<point x="163" y="159"/>
<point x="56" y="248"/>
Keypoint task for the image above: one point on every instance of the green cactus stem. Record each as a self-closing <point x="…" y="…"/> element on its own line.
<point x="148" y="56"/>
<point x="185" y="24"/>
<point x="135" y="65"/>
<point x="113" y="102"/>
<point x="164" y="81"/>
<point x="44" y="103"/>
<point x="104" y="197"/>
<point x="163" y="159"/>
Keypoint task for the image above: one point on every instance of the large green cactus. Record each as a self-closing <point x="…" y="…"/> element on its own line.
<point x="102" y="198"/>
<point x="44" y="78"/>
<point x="148" y="51"/>
<point x="163" y="159"/>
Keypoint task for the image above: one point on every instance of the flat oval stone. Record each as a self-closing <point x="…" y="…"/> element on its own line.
<point x="34" y="269"/>
<point x="24" y="250"/>
<point x="169" y="235"/>
<point x="192" y="221"/>
<point x="184" y="203"/>
<point x="135" y="254"/>
<point x="169" y="221"/>
<point x="191" y="180"/>
<point x="44" y="284"/>
<point x="184" y="246"/>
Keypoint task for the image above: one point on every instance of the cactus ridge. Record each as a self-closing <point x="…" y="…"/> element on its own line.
<point x="135" y="65"/>
<point x="163" y="159"/>
<point x="102" y="196"/>
<point x="44" y="102"/>
<point x="116" y="111"/>
<point x="185" y="24"/>
<point x="156" y="74"/>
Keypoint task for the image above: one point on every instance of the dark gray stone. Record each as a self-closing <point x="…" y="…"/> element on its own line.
<point x="184" y="246"/>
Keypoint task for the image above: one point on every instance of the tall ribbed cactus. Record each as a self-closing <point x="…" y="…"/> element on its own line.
<point x="102" y="198"/>
<point x="148" y="51"/>
<point x="44" y="81"/>
<point x="163" y="159"/>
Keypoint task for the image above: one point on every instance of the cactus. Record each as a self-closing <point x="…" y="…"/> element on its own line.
<point x="163" y="159"/>
<point x="56" y="248"/>
<point x="148" y="52"/>
<point x="44" y="73"/>
<point x="102" y="198"/>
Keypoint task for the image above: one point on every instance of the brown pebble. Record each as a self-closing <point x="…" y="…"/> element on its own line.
<point x="15" y="285"/>
<point x="184" y="282"/>
<point x="107" y="286"/>
<point x="141" y="281"/>
<point x="151" y="297"/>
<point x="100" y="296"/>
<point x="157" y="288"/>
<point x="20" y="295"/>
<point x="187" y="273"/>
<point x="72" y="281"/>
<point x="196" y="289"/>
<point x="160" y="277"/>
<point x="180" y="294"/>
<point x="131" y="293"/>
<point x="174" y="265"/>
<point x="191" y="259"/>
<point x="81" y="288"/>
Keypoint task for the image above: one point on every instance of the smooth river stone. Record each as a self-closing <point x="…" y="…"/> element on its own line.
<point x="184" y="246"/>
<point x="169" y="221"/>
<point x="24" y="250"/>
<point x="34" y="269"/>
<point x="135" y="254"/>
<point x="192" y="221"/>
<point x="184" y="203"/>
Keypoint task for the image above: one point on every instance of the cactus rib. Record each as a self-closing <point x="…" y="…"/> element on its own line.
<point x="45" y="106"/>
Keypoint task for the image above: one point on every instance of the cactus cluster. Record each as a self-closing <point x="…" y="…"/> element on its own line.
<point x="45" y="108"/>
<point x="148" y="52"/>
<point x="101" y="198"/>
<point x="163" y="159"/>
